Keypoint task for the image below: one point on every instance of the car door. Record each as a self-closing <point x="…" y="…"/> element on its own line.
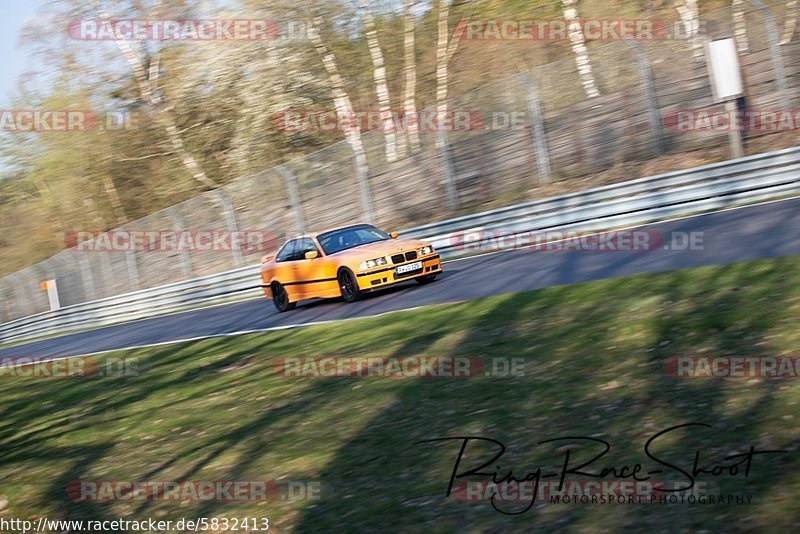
<point x="311" y="273"/>
<point x="284" y="268"/>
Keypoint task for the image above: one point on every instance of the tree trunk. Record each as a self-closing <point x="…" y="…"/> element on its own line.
<point x="579" y="49"/>
<point x="381" y="88"/>
<point x="444" y="52"/>
<point x="690" y="18"/>
<point x="410" y="77"/>
<point x="791" y="21"/>
<point x="739" y="27"/>
<point x="344" y="108"/>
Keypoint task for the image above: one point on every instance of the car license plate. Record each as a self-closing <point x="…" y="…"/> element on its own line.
<point x="408" y="268"/>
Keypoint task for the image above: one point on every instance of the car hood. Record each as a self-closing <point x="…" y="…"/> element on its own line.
<point x="381" y="248"/>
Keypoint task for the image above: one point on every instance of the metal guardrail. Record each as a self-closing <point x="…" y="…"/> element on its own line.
<point x="633" y="202"/>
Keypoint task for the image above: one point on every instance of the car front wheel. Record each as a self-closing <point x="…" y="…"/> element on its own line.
<point x="348" y="286"/>
<point x="281" y="298"/>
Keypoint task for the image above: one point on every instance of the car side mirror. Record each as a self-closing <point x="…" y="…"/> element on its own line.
<point x="311" y="254"/>
<point x="393" y="235"/>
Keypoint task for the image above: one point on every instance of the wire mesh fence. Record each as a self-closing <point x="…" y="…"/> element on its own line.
<point x="507" y="141"/>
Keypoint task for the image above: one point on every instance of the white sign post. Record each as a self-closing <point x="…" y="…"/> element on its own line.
<point x="726" y="82"/>
<point x="52" y="293"/>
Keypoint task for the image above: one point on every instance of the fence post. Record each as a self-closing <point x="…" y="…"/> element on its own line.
<point x="108" y="271"/>
<point x="294" y="199"/>
<point x="88" y="281"/>
<point x="230" y="223"/>
<point x="186" y="259"/>
<point x="774" y="51"/>
<point x="360" y="167"/>
<point x="650" y="96"/>
<point x="31" y="288"/>
<point x="133" y="271"/>
<point x="17" y="309"/>
<point x="538" y="133"/>
<point x="447" y="167"/>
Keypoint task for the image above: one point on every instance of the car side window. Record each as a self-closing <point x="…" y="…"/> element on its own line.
<point x="287" y="252"/>
<point x="304" y="245"/>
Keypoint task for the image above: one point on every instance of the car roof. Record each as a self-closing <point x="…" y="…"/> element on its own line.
<point x="267" y="257"/>
<point x="341" y="228"/>
<point x="315" y="234"/>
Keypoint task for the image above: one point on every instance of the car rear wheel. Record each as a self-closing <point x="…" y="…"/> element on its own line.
<point x="348" y="286"/>
<point x="427" y="279"/>
<point x="281" y="298"/>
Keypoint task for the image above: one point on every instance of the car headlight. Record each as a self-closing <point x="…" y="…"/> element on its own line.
<point x="427" y="249"/>
<point x="369" y="264"/>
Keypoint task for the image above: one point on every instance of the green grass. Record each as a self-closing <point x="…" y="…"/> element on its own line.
<point x="215" y="410"/>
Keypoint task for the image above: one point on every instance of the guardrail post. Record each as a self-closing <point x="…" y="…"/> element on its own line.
<point x="447" y="169"/>
<point x="538" y="133"/>
<point x="774" y="51"/>
<point x="186" y="259"/>
<point x="294" y="199"/>
<point x="653" y="116"/>
<point x="230" y="223"/>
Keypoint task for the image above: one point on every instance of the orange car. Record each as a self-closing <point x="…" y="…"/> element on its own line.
<point x="345" y="262"/>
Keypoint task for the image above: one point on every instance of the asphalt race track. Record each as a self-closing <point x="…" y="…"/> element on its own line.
<point x="759" y="231"/>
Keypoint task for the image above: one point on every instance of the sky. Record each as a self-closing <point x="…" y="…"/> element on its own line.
<point x="13" y="13"/>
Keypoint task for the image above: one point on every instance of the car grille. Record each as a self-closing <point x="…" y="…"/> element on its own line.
<point x="408" y="256"/>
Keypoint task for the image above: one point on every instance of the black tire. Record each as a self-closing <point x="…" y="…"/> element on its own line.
<point x="281" y="299"/>
<point x="348" y="286"/>
<point x="427" y="279"/>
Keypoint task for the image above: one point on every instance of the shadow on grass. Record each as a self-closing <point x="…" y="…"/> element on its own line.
<point x="392" y="483"/>
<point x="594" y="367"/>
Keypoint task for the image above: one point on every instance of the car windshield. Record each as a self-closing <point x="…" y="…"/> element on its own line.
<point x="352" y="236"/>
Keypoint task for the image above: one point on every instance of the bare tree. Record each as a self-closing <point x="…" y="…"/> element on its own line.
<point x="148" y="87"/>
<point x="344" y="108"/>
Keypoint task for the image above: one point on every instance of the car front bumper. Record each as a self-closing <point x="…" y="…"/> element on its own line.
<point x="386" y="276"/>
